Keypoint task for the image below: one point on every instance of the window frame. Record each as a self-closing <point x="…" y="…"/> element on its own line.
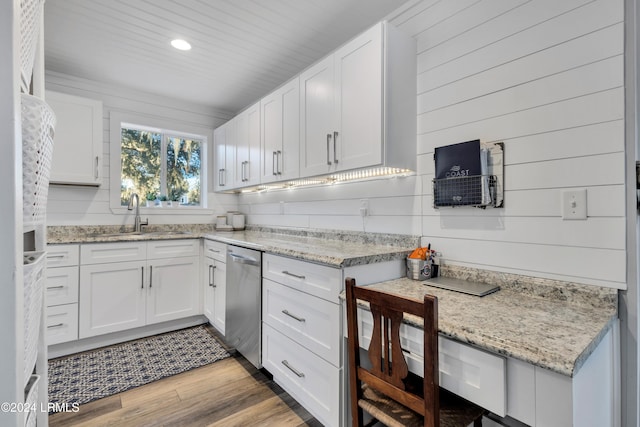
<point x="118" y="120"/>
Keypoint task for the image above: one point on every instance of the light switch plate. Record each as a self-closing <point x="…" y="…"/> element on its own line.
<point x="574" y="204"/>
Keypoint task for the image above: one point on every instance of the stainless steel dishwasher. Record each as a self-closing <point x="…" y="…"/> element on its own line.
<point x="243" y="320"/>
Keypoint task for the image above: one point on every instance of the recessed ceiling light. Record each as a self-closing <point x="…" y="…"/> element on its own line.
<point x="181" y="44"/>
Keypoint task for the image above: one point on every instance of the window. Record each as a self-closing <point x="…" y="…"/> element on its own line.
<point x="158" y="159"/>
<point x="160" y="166"/>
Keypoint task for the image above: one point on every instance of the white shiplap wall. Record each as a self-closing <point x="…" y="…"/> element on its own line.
<point x="76" y="205"/>
<point x="543" y="76"/>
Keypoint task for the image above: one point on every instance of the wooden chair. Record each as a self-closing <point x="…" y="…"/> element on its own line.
<point x="387" y="390"/>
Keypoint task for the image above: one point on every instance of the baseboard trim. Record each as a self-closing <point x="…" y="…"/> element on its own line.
<point x="92" y="343"/>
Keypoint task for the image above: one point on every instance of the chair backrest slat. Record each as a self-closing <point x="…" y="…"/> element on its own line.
<point x="389" y="367"/>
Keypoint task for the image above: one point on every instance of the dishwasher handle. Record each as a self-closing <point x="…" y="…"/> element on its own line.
<point x="243" y="259"/>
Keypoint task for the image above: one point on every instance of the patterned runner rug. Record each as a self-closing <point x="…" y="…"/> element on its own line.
<point x="84" y="377"/>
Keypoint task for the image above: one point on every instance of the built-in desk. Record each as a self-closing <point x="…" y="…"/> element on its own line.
<point x="545" y="355"/>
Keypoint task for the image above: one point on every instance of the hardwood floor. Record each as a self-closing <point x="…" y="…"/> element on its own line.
<point x="231" y="392"/>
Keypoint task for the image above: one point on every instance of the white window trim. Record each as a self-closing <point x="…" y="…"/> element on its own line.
<point x="116" y="120"/>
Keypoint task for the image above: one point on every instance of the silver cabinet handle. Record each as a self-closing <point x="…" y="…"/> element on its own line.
<point x="213" y="277"/>
<point x="57" y="325"/>
<point x="279" y="154"/>
<point x="150" y="276"/>
<point x="96" y="169"/>
<point x="55" y="256"/>
<point x="55" y="287"/>
<point x="335" y="151"/>
<point x="244" y="171"/>
<point x="142" y="281"/>
<point x="293" y="316"/>
<point x="292" y="369"/>
<point x="273" y="163"/>
<point x="328" y="148"/>
<point x="221" y="177"/>
<point x="293" y="275"/>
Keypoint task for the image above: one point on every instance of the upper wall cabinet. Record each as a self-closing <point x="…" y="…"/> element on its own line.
<point x="247" y="164"/>
<point x="354" y="109"/>
<point x="77" y="154"/>
<point x="357" y="106"/>
<point x="224" y="141"/>
<point x="280" y="134"/>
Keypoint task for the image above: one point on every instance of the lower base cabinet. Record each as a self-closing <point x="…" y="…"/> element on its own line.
<point x="311" y="380"/>
<point x="119" y="292"/>
<point x="214" y="277"/>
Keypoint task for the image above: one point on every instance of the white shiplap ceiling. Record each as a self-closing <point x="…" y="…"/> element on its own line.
<point x="242" y="49"/>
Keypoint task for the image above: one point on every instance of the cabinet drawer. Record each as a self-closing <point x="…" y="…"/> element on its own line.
<point x="173" y="248"/>
<point x="215" y="250"/>
<point x="318" y="280"/>
<point x="310" y="321"/>
<point x="313" y="382"/>
<point x="62" y="285"/>
<point x="476" y="375"/>
<point x="99" y="253"/>
<point x="61" y="323"/>
<point x="62" y="255"/>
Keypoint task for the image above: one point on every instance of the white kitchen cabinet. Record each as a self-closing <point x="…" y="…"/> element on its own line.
<point x="301" y="332"/>
<point x="280" y="133"/>
<point x="306" y="319"/>
<point x="316" y="118"/>
<point x="77" y="153"/>
<point x="356" y="103"/>
<point x="247" y="165"/>
<point x="308" y="378"/>
<point x="112" y="297"/>
<point x="158" y="282"/>
<point x="61" y="290"/>
<point x="224" y="138"/>
<point x="173" y="289"/>
<point x="214" y="275"/>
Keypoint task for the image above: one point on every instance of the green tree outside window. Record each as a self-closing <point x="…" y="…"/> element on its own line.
<point x="153" y="163"/>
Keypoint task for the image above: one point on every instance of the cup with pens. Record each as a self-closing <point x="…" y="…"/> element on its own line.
<point x="421" y="265"/>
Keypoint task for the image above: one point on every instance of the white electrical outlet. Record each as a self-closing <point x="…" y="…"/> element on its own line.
<point x="364" y="207"/>
<point x="574" y="204"/>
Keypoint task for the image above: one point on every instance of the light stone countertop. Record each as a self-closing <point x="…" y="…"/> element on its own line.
<point x="554" y="333"/>
<point x="333" y="248"/>
<point x="327" y="251"/>
<point x="552" y="324"/>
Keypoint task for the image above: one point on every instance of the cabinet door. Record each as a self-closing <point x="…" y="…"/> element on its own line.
<point x="358" y="101"/>
<point x="316" y="119"/>
<point x="219" y="286"/>
<point x="224" y="140"/>
<point x="247" y="166"/>
<point x="112" y="297"/>
<point x="173" y="290"/>
<point x="77" y="155"/>
<point x="208" y="268"/>
<point x="280" y="121"/>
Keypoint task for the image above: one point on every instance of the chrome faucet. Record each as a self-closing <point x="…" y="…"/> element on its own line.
<point x="137" y="224"/>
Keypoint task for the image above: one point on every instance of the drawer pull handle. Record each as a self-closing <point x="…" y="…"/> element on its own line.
<point x="292" y="369"/>
<point x="293" y="275"/>
<point x="293" y="316"/>
<point x="55" y="287"/>
<point x="55" y="256"/>
<point x="55" y="326"/>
